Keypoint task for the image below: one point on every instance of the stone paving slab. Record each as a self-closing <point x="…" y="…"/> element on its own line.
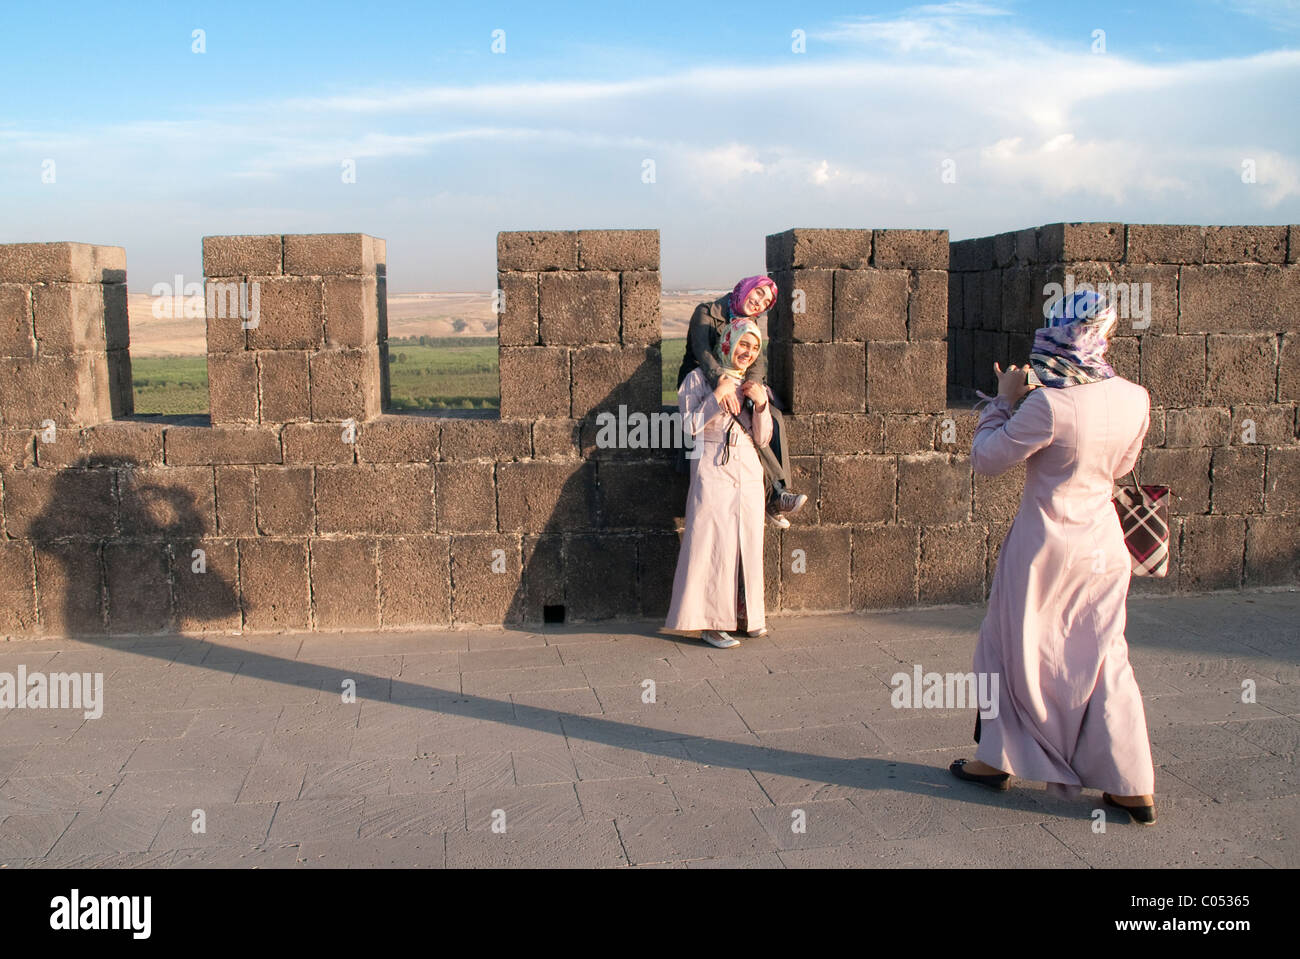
<point x="543" y="747"/>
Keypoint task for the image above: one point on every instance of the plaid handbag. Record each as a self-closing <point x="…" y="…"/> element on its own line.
<point x="1144" y="519"/>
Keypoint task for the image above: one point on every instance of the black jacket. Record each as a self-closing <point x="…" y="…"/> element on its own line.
<point x="707" y="324"/>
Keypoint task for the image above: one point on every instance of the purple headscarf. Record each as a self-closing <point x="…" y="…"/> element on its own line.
<point x="745" y="287"/>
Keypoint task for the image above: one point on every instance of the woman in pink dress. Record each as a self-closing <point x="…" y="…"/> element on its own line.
<point x="1069" y="712"/>
<point x="718" y="584"/>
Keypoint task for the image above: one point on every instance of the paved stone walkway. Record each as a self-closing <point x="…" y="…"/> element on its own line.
<point x="547" y="733"/>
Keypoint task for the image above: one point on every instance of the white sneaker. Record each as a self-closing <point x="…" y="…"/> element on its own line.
<point x="715" y="637"/>
<point x="777" y="520"/>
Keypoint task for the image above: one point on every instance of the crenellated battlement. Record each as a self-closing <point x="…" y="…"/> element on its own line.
<point x="301" y="504"/>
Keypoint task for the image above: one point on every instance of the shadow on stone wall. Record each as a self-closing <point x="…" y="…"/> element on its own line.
<point x="126" y="554"/>
<point x="607" y="548"/>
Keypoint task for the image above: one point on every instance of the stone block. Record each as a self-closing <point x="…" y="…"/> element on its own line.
<point x="1241" y="369"/>
<point x="1239" y="299"/>
<point x="1196" y="426"/>
<point x="1288" y="376"/>
<point x="806" y="477"/>
<point x="345" y="384"/>
<point x="70" y="593"/>
<point x="17" y="335"/>
<point x="1173" y="370"/>
<point x="640" y="495"/>
<point x="1185" y="471"/>
<point x="956" y="297"/>
<point x="884" y="566"/>
<point x="336" y="254"/>
<point x="236" y="501"/>
<point x="517" y="321"/>
<point x="542" y="580"/>
<point x="1265" y="425"/>
<point x="640" y="292"/>
<point x="911" y="250"/>
<point x="284" y="385"/>
<point x="952" y="564"/>
<point x="555" y="438"/>
<point x="611" y="561"/>
<point x="414" y="581"/>
<point x="138" y="587"/>
<point x="656" y="566"/>
<point x="61" y="263"/>
<point x="819" y="377"/>
<point x="1066" y="242"/>
<point x="225" y="314"/>
<point x="1021" y="299"/>
<point x="166" y="501"/>
<point x="823" y="249"/>
<point x="997" y="498"/>
<point x="535" y="250"/>
<point x="541" y="497"/>
<point x="466" y="498"/>
<point x="871" y="304"/>
<point x="906" y="377"/>
<point x="927" y="305"/>
<point x="1237" y="480"/>
<point x="318" y="443"/>
<point x="578" y="308"/>
<point x="232" y="388"/>
<point x="402" y="438"/>
<point x="206" y="596"/>
<point x="207" y="446"/>
<point x="275" y="593"/>
<point x="1212" y="551"/>
<point x="351" y="307"/>
<point x="618" y="249"/>
<point x="476" y="439"/>
<point x="803" y="312"/>
<point x="858" y="489"/>
<point x="1282" y="481"/>
<point x="934" y="489"/>
<point x="243" y="255"/>
<point x="1272" y="551"/>
<point x="344" y="583"/>
<point x="43" y="505"/>
<point x="485" y="576"/>
<point x="71" y="390"/>
<point x="1165" y="243"/>
<point x="290" y="314"/>
<point x="1245" y="244"/>
<point x="17" y="588"/>
<point x="970" y="255"/>
<point x="285" y="501"/>
<point x="816" y="563"/>
<point x="69" y="317"/>
<point x="535" y="381"/>
<point x="368" y="499"/>
<point x="606" y="377"/>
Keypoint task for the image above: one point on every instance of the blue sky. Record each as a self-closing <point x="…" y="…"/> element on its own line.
<point x="155" y="146"/>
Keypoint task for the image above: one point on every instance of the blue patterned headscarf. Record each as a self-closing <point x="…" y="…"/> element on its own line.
<point x="1071" y="348"/>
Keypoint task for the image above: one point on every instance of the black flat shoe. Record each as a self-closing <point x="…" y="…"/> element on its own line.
<point x="992" y="780"/>
<point x="1144" y="815"/>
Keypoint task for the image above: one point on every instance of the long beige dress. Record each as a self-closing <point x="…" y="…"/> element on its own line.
<point x="724" y="516"/>
<point x="1069" y="712"/>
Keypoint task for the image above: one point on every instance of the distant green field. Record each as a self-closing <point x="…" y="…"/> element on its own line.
<point x="424" y="373"/>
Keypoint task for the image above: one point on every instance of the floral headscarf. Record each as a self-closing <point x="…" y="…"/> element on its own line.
<point x="745" y="287"/>
<point x="1070" y="349"/>
<point x="726" y="346"/>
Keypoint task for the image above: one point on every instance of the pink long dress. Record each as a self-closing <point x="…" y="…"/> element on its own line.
<point x="1069" y="709"/>
<point x="724" y="516"/>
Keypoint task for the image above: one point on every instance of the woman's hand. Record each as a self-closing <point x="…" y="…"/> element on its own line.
<point x="755" y="392"/>
<point x="1012" y="382"/>
<point x="727" y="396"/>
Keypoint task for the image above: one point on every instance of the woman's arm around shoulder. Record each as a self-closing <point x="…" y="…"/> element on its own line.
<point x="1003" y="438"/>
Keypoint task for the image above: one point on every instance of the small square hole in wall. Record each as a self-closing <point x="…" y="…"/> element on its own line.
<point x="552" y="614"/>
